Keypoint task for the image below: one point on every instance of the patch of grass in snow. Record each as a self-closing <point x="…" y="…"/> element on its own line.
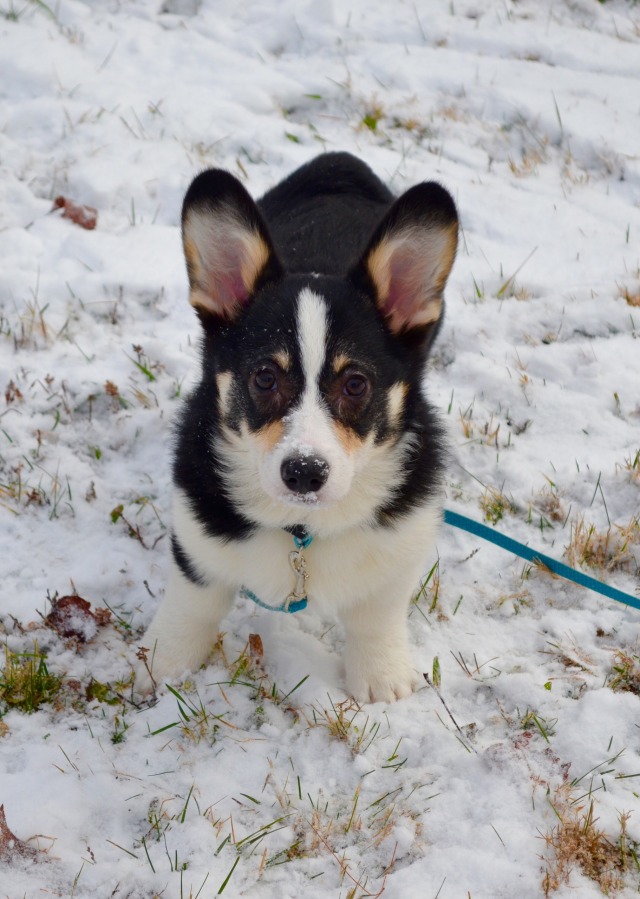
<point x="609" y="550"/>
<point x="625" y="673"/>
<point x="196" y="721"/>
<point x="148" y="519"/>
<point x="28" y="327"/>
<point x="335" y="829"/>
<point x="530" y="159"/>
<point x="286" y="822"/>
<point x="495" y="505"/>
<point x="142" y="362"/>
<point x="373" y="113"/>
<point x="14" y="12"/>
<point x="577" y="843"/>
<point x="429" y="592"/>
<point x="34" y="485"/>
<point x="485" y="433"/>
<point x="549" y="507"/>
<point x="247" y="671"/>
<point x="26" y="682"/>
<point x="630" y="293"/>
<point x="631" y="465"/>
<point x="531" y="722"/>
<point x="344" y="721"/>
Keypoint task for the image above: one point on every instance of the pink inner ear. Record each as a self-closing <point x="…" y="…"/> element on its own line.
<point x="406" y="293"/>
<point x="228" y="291"/>
<point x="224" y="283"/>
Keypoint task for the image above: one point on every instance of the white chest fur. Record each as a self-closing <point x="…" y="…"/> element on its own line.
<point x="342" y="569"/>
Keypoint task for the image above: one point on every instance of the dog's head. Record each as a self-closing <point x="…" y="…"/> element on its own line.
<point x="314" y="379"/>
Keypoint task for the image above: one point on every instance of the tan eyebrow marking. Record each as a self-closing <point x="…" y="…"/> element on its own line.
<point x="283" y="359"/>
<point x="340" y="362"/>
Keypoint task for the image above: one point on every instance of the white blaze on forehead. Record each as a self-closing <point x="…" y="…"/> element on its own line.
<point x="312" y="334"/>
<point x="309" y="430"/>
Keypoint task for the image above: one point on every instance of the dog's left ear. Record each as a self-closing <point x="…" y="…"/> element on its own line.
<point x="409" y="258"/>
<point x="227" y="246"/>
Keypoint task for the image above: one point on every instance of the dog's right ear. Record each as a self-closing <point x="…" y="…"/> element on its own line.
<point x="227" y="246"/>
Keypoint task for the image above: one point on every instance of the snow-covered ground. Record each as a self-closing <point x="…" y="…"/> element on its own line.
<point x="263" y="779"/>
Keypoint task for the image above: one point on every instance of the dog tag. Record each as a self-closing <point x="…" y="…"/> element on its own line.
<point x="299" y="568"/>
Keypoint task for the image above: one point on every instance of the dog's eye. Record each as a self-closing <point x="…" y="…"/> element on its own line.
<point x="355" y="386"/>
<point x="265" y="379"/>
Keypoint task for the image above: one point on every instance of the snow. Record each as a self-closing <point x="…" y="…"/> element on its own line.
<point x="528" y="113"/>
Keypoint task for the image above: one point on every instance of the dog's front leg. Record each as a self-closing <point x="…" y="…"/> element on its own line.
<point x="377" y="655"/>
<point x="184" y="629"/>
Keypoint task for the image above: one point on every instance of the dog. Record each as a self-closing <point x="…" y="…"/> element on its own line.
<point x="308" y="463"/>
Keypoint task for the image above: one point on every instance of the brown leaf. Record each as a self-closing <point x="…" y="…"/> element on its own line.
<point x="103" y="617"/>
<point x="10" y="845"/>
<point x="85" y="216"/>
<point x="71" y="616"/>
<point x="256" y="649"/>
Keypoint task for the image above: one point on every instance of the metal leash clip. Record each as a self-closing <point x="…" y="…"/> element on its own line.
<point x="299" y="568"/>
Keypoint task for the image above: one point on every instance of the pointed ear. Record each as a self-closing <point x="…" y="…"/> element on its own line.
<point x="226" y="245"/>
<point x="409" y="257"/>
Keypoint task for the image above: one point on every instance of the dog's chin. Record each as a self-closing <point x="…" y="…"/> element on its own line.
<point x="317" y="500"/>
<point x="320" y="500"/>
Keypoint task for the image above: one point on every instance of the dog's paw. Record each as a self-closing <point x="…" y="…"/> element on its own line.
<point x="371" y="679"/>
<point x="144" y="684"/>
<point x="168" y="660"/>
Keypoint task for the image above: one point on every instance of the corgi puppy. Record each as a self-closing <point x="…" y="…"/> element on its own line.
<point x="308" y="463"/>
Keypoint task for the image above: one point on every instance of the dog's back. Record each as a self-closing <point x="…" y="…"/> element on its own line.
<point x="322" y="215"/>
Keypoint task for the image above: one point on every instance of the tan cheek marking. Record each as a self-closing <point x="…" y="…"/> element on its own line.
<point x="349" y="440"/>
<point x="223" y="382"/>
<point x="269" y="436"/>
<point x="395" y="402"/>
<point x="283" y="359"/>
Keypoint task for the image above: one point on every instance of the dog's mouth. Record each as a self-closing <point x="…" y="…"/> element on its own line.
<point x="305" y="499"/>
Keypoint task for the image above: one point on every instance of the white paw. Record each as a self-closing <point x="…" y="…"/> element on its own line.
<point x="166" y="658"/>
<point x="380" y="679"/>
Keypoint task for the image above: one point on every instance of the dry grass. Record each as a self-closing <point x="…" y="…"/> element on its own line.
<point x="625" y="674"/>
<point x="577" y="843"/>
<point x="486" y="433"/>
<point x="609" y="550"/>
<point x="550" y="505"/>
<point x="631" y="464"/>
<point x="494" y="504"/>
<point x="530" y="161"/>
<point x="631" y="295"/>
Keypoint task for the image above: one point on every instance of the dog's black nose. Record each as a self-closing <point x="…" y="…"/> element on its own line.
<point x="304" y="474"/>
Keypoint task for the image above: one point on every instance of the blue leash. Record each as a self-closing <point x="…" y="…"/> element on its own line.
<point x="296" y="601"/>
<point x="531" y="555"/>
